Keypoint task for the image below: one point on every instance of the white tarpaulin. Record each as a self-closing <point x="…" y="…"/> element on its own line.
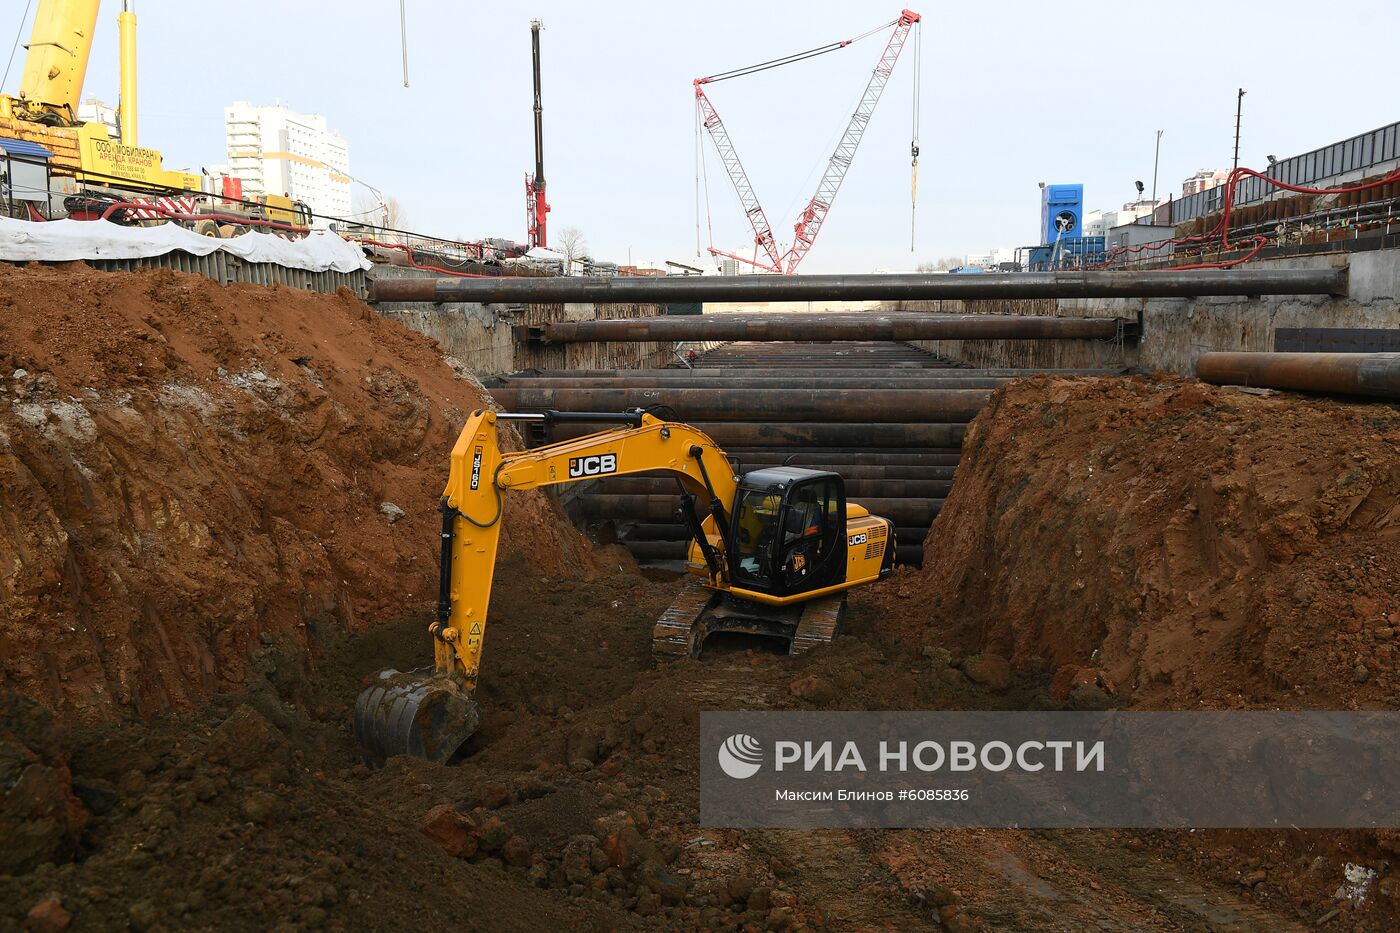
<point x="63" y="240"/>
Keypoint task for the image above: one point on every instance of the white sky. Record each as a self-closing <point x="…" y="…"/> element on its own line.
<point x="1013" y="93"/>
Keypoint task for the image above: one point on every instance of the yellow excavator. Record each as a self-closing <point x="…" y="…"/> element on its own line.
<point x="774" y="554"/>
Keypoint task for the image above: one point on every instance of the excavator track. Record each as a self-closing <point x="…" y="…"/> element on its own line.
<point x="679" y="632"/>
<point x="699" y="611"/>
<point x="819" y="625"/>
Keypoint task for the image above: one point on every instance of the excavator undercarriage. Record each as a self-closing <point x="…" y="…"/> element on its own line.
<point x="699" y="612"/>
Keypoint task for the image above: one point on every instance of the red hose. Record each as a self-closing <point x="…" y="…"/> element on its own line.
<point x="1222" y="226"/>
<point x="176" y="215"/>
<point x="417" y="265"/>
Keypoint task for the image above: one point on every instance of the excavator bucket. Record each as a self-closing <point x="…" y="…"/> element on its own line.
<point x="421" y="714"/>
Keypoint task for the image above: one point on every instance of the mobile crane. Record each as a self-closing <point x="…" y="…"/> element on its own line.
<point x="115" y="178"/>
<point x="774" y="553"/>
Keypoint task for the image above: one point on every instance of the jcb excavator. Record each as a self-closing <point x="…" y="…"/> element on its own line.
<point x="775" y="554"/>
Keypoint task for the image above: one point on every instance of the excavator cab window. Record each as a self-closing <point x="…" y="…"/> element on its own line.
<point x="755" y="532"/>
<point x="790" y="540"/>
<point x="812" y="555"/>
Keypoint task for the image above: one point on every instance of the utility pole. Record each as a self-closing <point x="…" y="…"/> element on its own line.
<point x="1156" y="158"/>
<point x="1239" y="107"/>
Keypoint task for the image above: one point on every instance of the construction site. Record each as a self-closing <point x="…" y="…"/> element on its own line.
<point x="355" y="581"/>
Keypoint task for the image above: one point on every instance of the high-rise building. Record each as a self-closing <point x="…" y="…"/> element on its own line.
<point x="275" y="150"/>
<point x="1204" y="180"/>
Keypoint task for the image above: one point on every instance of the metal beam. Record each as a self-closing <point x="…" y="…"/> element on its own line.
<point x="1373" y="374"/>
<point x="800" y="327"/>
<point x="1165" y="283"/>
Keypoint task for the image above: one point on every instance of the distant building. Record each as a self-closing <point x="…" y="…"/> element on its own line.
<point x="735" y="267"/>
<point x="275" y="150"/>
<point x="1204" y="180"/>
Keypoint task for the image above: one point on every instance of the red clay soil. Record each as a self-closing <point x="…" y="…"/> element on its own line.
<point x="188" y="471"/>
<point x="1157" y="543"/>
<point x="1178" y="545"/>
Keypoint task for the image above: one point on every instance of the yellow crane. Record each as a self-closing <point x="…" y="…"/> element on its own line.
<point x="774" y="553"/>
<point x="46" y="109"/>
<point x="95" y="170"/>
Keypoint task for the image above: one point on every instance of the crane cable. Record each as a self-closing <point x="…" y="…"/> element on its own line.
<point x="14" y="48"/>
<point x="702" y="170"/>
<point x="791" y="59"/>
<point x="914" y="137"/>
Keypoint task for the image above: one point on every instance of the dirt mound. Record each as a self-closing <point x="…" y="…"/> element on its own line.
<point x="1175" y="544"/>
<point x="189" y="472"/>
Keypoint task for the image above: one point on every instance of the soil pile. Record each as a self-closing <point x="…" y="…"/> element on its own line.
<point x="1174" y="545"/>
<point x="189" y="472"/>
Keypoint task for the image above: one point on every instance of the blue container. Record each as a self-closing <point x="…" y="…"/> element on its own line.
<point x="1061" y="212"/>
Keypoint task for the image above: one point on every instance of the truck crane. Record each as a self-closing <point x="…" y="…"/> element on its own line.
<point x="536" y="208"/>
<point x="813" y="215"/>
<point x="773" y="551"/>
<point x="116" y="178"/>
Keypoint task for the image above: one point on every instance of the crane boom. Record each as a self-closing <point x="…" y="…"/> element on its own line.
<point x="536" y="208"/>
<point x="762" y="230"/>
<point x="809" y="222"/>
<point x="59" y="49"/>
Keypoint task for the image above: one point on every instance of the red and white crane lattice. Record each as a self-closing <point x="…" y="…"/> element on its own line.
<point x="809" y="222"/>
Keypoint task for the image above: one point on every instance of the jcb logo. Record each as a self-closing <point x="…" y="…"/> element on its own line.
<point x="592" y="466"/>
<point x="858" y="539"/>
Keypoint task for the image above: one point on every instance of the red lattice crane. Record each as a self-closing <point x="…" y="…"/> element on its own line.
<point x="813" y="215"/>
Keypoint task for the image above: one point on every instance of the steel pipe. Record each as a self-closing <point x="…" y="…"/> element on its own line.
<point x="756" y="383"/>
<point x="732" y="434"/>
<point x="842" y="459"/>
<point x="1165" y="283"/>
<point x="1372" y="374"/>
<point x="883" y="406"/>
<point x="815" y="371"/>
<point x="855" y="488"/>
<point x="849" y="471"/>
<point x="674" y="531"/>
<point x="677" y="550"/>
<point x="663" y="508"/>
<point x="824" y="327"/>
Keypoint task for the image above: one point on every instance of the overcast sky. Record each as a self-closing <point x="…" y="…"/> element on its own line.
<point x="1014" y="93"/>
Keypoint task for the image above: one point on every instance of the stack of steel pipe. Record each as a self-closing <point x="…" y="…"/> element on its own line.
<point x="887" y="416"/>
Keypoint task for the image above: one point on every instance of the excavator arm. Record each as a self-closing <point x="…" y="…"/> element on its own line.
<point x="432" y="717"/>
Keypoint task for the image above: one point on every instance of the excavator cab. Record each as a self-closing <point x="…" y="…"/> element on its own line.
<point x="787" y="536"/>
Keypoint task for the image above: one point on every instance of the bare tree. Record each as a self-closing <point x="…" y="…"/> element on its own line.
<point x="570" y="242"/>
<point x="395" y="217"/>
<point x="942" y="265"/>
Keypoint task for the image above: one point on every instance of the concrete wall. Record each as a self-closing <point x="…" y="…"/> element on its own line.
<point x="1177" y="331"/>
<point x="480" y="335"/>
